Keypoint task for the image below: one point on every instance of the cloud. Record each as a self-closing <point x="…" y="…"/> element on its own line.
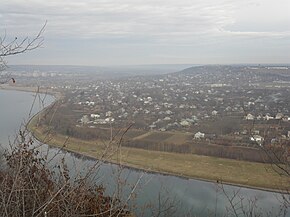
<point x="218" y="26"/>
<point x="257" y="35"/>
<point x="117" y="18"/>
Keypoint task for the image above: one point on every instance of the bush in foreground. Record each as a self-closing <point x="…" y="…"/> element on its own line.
<point x="28" y="187"/>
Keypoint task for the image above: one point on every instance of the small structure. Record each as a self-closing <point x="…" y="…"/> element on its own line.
<point x="110" y="120"/>
<point x="85" y="119"/>
<point x="199" y="135"/>
<point x="268" y="117"/>
<point x="250" y="117"/>
<point x="167" y="118"/>
<point x="258" y="139"/>
<point x="184" y="123"/>
<point x="279" y="116"/>
<point x="214" y="112"/>
<point x="95" y="116"/>
<point x="109" y="114"/>
<point x="285" y="118"/>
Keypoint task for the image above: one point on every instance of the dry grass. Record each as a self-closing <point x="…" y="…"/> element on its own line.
<point x="252" y="174"/>
<point x="179" y="138"/>
<point x="156" y="137"/>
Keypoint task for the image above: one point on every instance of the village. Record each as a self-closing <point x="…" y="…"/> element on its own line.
<point x="182" y="101"/>
<point x="227" y="103"/>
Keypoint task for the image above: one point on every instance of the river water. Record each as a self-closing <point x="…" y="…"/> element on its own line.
<point x="189" y="196"/>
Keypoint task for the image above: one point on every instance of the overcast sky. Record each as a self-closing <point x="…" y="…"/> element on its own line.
<point x="132" y="32"/>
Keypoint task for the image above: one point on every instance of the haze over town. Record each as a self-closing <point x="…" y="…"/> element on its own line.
<point x="184" y="97"/>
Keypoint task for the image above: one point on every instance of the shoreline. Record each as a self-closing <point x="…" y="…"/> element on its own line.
<point x="164" y="173"/>
<point x="58" y="96"/>
<point x="129" y="166"/>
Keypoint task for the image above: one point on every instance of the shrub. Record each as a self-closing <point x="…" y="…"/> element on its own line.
<point x="29" y="187"/>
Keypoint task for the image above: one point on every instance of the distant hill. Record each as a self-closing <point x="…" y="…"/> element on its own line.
<point x="102" y="70"/>
<point x="271" y="71"/>
<point x="56" y="68"/>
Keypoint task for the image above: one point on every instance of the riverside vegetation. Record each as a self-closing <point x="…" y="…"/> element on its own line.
<point x="52" y="127"/>
<point x="30" y="187"/>
<point x="234" y="119"/>
<point x="60" y="170"/>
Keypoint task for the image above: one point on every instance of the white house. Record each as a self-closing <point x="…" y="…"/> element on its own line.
<point x="250" y="117"/>
<point x="109" y="120"/>
<point x="268" y="117"/>
<point x="90" y="103"/>
<point x="214" y="112"/>
<point x="258" y="139"/>
<point x="199" y="135"/>
<point x="167" y="118"/>
<point x="279" y="116"/>
<point x="184" y="123"/>
<point x="95" y="116"/>
<point x="109" y="114"/>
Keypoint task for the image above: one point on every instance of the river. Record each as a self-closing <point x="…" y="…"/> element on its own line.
<point x="196" y="197"/>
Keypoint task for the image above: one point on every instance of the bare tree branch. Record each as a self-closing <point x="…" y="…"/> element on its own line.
<point x="14" y="47"/>
<point x="17" y="46"/>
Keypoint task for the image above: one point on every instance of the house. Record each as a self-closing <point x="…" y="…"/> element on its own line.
<point x="214" y="112"/>
<point x="199" y="135"/>
<point x="258" y="139"/>
<point x="184" y="123"/>
<point x="149" y="99"/>
<point x="90" y="103"/>
<point x="285" y="118"/>
<point x="250" y="117"/>
<point x="168" y="112"/>
<point x="268" y="117"/>
<point x="95" y="116"/>
<point x="109" y="120"/>
<point x="279" y="116"/>
<point x="109" y="114"/>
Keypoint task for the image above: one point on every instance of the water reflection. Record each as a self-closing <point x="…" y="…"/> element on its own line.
<point x="199" y="198"/>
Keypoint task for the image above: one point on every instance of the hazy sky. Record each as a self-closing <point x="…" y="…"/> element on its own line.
<point x="126" y="32"/>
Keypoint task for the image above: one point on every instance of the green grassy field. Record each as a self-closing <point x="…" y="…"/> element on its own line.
<point x="236" y="172"/>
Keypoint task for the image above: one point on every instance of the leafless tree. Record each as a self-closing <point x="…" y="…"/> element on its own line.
<point x="278" y="155"/>
<point x="31" y="186"/>
<point x="10" y="47"/>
